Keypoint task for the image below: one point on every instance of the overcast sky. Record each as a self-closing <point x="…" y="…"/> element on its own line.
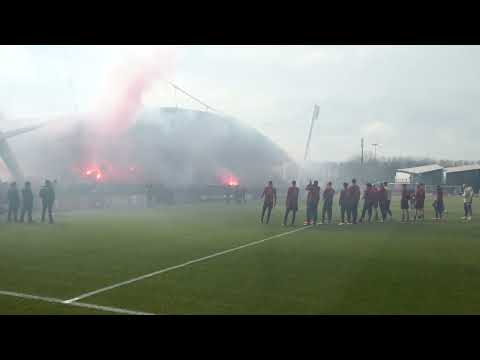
<point x="413" y="100"/>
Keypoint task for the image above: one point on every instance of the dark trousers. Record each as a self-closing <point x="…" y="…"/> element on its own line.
<point x="268" y="207"/>
<point x="439" y="208"/>
<point x="47" y="206"/>
<point x="26" y="210"/>
<point x="312" y="212"/>
<point x="353" y="212"/>
<point x="12" y="213"/>
<point x="387" y="208"/>
<point x="285" y="218"/>
<point x="467" y="207"/>
<point x="383" y="209"/>
<point x="343" y="210"/>
<point x="327" y="209"/>
<point x="367" y="208"/>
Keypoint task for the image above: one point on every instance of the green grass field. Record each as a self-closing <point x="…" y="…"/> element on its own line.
<point x="391" y="268"/>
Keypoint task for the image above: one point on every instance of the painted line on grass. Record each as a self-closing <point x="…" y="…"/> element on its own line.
<point x="158" y="272"/>
<point x="77" y="304"/>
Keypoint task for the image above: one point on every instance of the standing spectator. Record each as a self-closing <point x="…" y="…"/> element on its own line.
<point x="47" y="194"/>
<point x="27" y="203"/>
<point x="467" y="202"/>
<point x="328" y="195"/>
<point x="13" y="202"/>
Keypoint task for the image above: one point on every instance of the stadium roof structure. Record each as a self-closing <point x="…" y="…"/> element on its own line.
<point x="421" y="169"/>
<point x="462" y="168"/>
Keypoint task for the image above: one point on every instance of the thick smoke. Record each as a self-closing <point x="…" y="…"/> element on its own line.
<point x="121" y="142"/>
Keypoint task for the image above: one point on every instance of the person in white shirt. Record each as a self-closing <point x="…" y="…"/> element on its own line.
<point x="388" y="191"/>
<point x="467" y="202"/>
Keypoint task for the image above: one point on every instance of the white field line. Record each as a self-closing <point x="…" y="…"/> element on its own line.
<point x="84" y="305"/>
<point x="158" y="272"/>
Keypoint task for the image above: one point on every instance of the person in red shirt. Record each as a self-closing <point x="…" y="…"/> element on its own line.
<point x="328" y="195"/>
<point x="270" y="200"/>
<point x="354" y="198"/>
<point x="291" y="203"/>
<point x="404" y="203"/>
<point x="313" y="197"/>
<point x="375" y="201"/>
<point x="368" y="199"/>
<point x="419" y="202"/>
<point x="382" y="201"/>
<point x="438" y="204"/>
<point x="344" y="203"/>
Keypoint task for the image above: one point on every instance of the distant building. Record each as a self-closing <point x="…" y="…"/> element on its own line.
<point x="427" y="174"/>
<point x="467" y="174"/>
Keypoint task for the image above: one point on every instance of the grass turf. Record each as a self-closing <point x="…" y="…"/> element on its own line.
<point x="366" y="269"/>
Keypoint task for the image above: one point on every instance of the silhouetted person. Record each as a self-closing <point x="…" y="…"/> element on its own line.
<point x="368" y="199"/>
<point x="404" y="203"/>
<point x="13" y="202"/>
<point x="344" y="203"/>
<point x="467" y="202"/>
<point x="291" y="203"/>
<point x="328" y="195"/>
<point x="270" y="200"/>
<point x="27" y="202"/>
<point x="313" y="197"/>
<point x="47" y="194"/>
<point x="244" y="194"/>
<point x="419" y="202"/>
<point x="149" y="194"/>
<point x="354" y="198"/>
<point x="238" y="194"/>
<point x="438" y="204"/>
<point x="382" y="198"/>
<point x="388" y="191"/>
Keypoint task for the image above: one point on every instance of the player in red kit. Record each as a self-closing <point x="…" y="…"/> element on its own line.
<point x="405" y="198"/>
<point x="368" y="199"/>
<point x="344" y="203"/>
<point x="419" y="202"/>
<point x="270" y="200"/>
<point x="313" y="197"/>
<point x="354" y="198"/>
<point x="328" y="195"/>
<point x="291" y="203"/>
<point x="382" y="201"/>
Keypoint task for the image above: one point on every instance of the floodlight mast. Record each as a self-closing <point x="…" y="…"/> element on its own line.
<point x="316" y="109"/>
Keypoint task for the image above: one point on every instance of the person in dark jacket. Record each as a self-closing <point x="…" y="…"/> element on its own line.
<point x="47" y="194"/>
<point x="13" y="202"/>
<point x="27" y="202"/>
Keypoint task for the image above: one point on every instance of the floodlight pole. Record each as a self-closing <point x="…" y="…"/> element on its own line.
<point x="375" y="151"/>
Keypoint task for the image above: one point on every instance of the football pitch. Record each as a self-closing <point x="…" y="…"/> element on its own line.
<point x="218" y="259"/>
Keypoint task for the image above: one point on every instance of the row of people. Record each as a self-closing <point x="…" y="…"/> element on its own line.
<point x="374" y="197"/>
<point x="25" y="202"/>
